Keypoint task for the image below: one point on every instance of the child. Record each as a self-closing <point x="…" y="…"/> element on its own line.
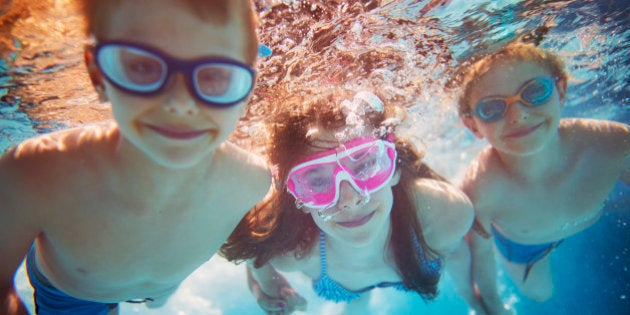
<point x="542" y="178"/>
<point x="128" y="210"/>
<point x="354" y="208"/>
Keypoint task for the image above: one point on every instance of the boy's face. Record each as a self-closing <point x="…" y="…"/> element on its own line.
<point x="173" y="127"/>
<point x="523" y="129"/>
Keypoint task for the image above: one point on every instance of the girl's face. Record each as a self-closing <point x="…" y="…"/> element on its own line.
<point x="532" y="114"/>
<point x="359" y="219"/>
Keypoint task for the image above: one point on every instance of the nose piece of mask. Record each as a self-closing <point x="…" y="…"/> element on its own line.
<point x="299" y="204"/>
<point x="365" y="197"/>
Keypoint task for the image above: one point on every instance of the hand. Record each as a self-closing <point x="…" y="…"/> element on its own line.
<point x="497" y="308"/>
<point x="276" y="296"/>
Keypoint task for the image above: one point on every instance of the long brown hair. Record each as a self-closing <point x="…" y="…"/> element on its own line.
<point x="275" y="227"/>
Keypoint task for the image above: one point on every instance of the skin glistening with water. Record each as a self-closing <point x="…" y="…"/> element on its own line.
<point x="361" y="239"/>
<point x="128" y="209"/>
<point x="542" y="179"/>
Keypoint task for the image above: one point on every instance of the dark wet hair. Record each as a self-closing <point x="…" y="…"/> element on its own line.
<point x="216" y="12"/>
<point x="276" y="227"/>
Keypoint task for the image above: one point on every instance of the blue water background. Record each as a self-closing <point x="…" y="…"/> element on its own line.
<point x="591" y="268"/>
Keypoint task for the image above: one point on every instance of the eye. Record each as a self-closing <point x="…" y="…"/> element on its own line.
<point x="319" y="179"/>
<point x="490" y="109"/>
<point x="366" y="168"/>
<point x="141" y="68"/>
<point x="214" y="79"/>
<point x="319" y="183"/>
<point x="538" y="91"/>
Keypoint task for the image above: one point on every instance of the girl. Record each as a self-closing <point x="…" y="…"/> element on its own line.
<point x="354" y="208"/>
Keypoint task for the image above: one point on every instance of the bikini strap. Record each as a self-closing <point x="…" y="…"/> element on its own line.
<point x="322" y="251"/>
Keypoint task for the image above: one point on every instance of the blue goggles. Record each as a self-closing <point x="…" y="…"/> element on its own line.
<point x="533" y="93"/>
<point x="145" y="71"/>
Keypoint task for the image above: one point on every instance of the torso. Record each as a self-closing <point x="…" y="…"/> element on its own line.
<point x="558" y="206"/>
<point x="445" y="215"/>
<point x="352" y="275"/>
<point x="107" y="238"/>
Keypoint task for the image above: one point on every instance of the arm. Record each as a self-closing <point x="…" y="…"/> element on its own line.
<point x="18" y="228"/>
<point x="445" y="214"/>
<point x="459" y="267"/>
<point x="484" y="272"/>
<point x="452" y="213"/>
<point x="482" y="281"/>
<point x="272" y="291"/>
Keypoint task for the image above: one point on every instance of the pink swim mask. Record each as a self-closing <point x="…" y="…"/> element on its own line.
<point x="365" y="163"/>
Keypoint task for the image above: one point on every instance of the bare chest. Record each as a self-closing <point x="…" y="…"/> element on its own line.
<point x="550" y="212"/>
<point x="114" y="248"/>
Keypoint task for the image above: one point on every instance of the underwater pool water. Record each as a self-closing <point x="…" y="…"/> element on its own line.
<point x="413" y="50"/>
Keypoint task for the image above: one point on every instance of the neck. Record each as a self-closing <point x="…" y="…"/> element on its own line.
<point x="540" y="165"/>
<point x="367" y="253"/>
<point x="151" y="180"/>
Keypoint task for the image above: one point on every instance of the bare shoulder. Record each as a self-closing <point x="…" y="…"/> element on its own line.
<point x="55" y="155"/>
<point x="445" y="212"/>
<point x="480" y="175"/>
<point x="248" y="170"/>
<point x="442" y="194"/>
<point x="601" y="135"/>
<point x="242" y="161"/>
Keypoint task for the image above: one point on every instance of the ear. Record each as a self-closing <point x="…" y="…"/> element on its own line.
<point x="470" y="123"/>
<point x="95" y="73"/>
<point x="561" y="85"/>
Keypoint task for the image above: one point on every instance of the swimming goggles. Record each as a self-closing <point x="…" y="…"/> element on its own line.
<point x="145" y="71"/>
<point x="365" y="163"/>
<point x="533" y="93"/>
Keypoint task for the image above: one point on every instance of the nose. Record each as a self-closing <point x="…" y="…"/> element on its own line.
<point x="179" y="100"/>
<point x="516" y="112"/>
<point x="349" y="198"/>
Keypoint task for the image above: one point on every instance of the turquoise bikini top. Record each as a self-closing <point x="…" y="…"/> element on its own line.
<point x="329" y="289"/>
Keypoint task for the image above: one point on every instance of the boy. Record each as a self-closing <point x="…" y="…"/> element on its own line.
<point x="542" y="178"/>
<point x="128" y="210"/>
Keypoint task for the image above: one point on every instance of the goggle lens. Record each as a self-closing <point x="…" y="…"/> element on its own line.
<point x="142" y="70"/>
<point x="534" y="93"/>
<point x="367" y="164"/>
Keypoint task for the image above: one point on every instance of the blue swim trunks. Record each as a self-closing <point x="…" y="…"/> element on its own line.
<point x="518" y="253"/>
<point x="50" y="301"/>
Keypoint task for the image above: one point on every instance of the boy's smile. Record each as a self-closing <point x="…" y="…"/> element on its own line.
<point x="523" y="129"/>
<point x="174" y="128"/>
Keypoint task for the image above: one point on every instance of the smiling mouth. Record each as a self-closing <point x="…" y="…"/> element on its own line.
<point x="177" y="133"/>
<point x="524" y="132"/>
<point x="358" y="222"/>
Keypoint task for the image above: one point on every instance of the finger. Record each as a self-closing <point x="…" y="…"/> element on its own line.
<point x="272" y="305"/>
<point x="297" y="302"/>
<point x="300" y="305"/>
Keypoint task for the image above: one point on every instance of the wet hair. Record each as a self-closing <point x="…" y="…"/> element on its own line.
<point x="215" y="12"/>
<point x="471" y="71"/>
<point x="277" y="227"/>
